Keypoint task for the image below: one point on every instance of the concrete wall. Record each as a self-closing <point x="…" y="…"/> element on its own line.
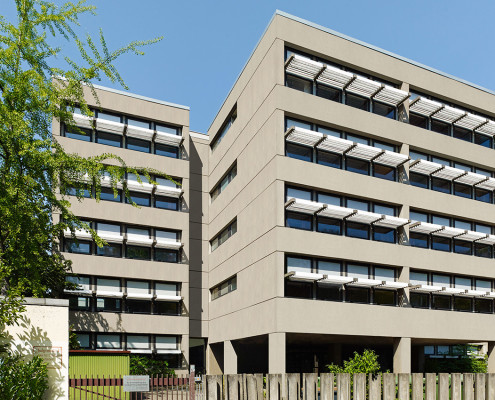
<point x="43" y="330"/>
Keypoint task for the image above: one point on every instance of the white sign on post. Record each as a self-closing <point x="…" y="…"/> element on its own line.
<point x="136" y="383"/>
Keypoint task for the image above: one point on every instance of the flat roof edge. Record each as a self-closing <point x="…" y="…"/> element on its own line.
<point x="370" y="46"/>
<point x="138" y="96"/>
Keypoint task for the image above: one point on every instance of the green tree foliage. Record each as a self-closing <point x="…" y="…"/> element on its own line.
<point x="360" y="363"/>
<point x="35" y="171"/>
<point x="73" y="341"/>
<point x="27" y="380"/>
<point x="142" y="365"/>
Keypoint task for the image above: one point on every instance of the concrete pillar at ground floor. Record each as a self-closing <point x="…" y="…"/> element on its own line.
<point x="402" y="355"/>
<point x="229" y="358"/>
<point x="491" y="357"/>
<point x="214" y="358"/>
<point x="276" y="353"/>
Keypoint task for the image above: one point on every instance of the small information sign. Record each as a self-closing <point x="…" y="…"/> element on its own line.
<point x="136" y="383"/>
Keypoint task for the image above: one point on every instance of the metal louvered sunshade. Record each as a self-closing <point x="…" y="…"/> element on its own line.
<point x="487" y="129"/>
<point x="363" y="282"/>
<point x="391" y="222"/>
<point x="449" y="173"/>
<point x="83" y="121"/>
<point x="364" y="217"/>
<point x="391" y="95"/>
<point x="110" y="126"/>
<point x="448" y="232"/>
<point x="471" y="236"/>
<point x="304" y="276"/>
<point x="335" y="77"/>
<point x="393" y="285"/>
<point x="489" y="184"/>
<point x="424" y="167"/>
<point x="471" y="178"/>
<point x="168" y="191"/>
<point x="424" y="106"/>
<point x="364" y="152"/>
<point x="303" y="67"/>
<point x="303" y="136"/>
<point x="424" y="227"/>
<point x="140" y="133"/>
<point x="489" y="239"/>
<point x="364" y="87"/>
<point x="448" y="114"/>
<point x="391" y="159"/>
<point x="471" y="121"/>
<point x="336" y="212"/>
<point x="303" y="206"/>
<point x="168" y="138"/>
<point x="336" y="279"/>
<point x="426" y="288"/>
<point x="335" y="145"/>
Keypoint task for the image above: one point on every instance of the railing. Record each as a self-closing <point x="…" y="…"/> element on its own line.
<point x="161" y="388"/>
<point x="347" y="387"/>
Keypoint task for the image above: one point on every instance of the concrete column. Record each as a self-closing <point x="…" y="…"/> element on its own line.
<point x="229" y="358"/>
<point x="402" y="355"/>
<point x="491" y="357"/>
<point x="276" y="353"/>
<point x="404" y="277"/>
<point x="404" y="107"/>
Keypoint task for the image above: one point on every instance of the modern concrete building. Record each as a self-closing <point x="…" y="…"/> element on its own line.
<point x="344" y="201"/>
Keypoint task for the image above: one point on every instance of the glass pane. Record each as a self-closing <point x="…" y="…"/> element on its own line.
<point x="483" y="195"/>
<point x="357" y="295"/>
<point x="417" y="156"/>
<point x="463" y="134"/>
<point x="138" y="145"/>
<point x="357" y="271"/>
<point x="418" y="278"/>
<point x="108" y="195"/>
<point x="419" y="240"/>
<point x="383" y="209"/>
<point x="329" y="199"/>
<point x="108" y="304"/>
<point x="299" y="221"/>
<point x="139" y="123"/>
<point x="483" y="285"/>
<point x="384" y="297"/>
<point x="358" y="139"/>
<point x="298" y="289"/>
<point x="329" y="132"/>
<point x="357" y="230"/>
<point x="483" y="228"/>
<point x="329" y="93"/>
<point x="418" y="120"/>
<point x="298" y="264"/>
<point x="79" y="247"/>
<point x="384" y="110"/>
<point x="382" y="234"/>
<point x="299" y="152"/>
<point x="483" y="172"/>
<point x="299" y="84"/>
<point x="358" y="204"/>
<point x="138" y="253"/>
<point x="289" y="122"/>
<point x="440" y="127"/>
<point x="172" y="130"/>
<point x="419" y="300"/>
<point x="419" y="180"/>
<point x="109" y="139"/>
<point x="437" y="219"/>
<point x="441" y="303"/>
<point x="441" y="280"/>
<point x="84" y="134"/>
<point x="440" y="161"/>
<point x="483" y="305"/>
<point x="167" y="203"/>
<point x="483" y="140"/>
<point x="463" y="190"/>
<point x="440" y="185"/>
<point x="462" y="283"/>
<point x="328" y="292"/>
<point x="464" y="167"/>
<point x="384" y="172"/>
<point x="440" y="243"/>
<point x="462" y="224"/>
<point x="138" y="306"/>
<point x="357" y="102"/>
<point x="141" y="199"/>
<point x="167" y="151"/>
<point x="329" y="159"/>
<point x="384" y="146"/>
<point x="418" y="216"/>
<point x="329" y="267"/>
<point x="109" y="117"/>
<point x="331" y="226"/>
<point x="462" y="304"/>
<point x="298" y="194"/>
<point x="110" y="250"/>
<point x="166" y="255"/>
<point x="483" y="250"/>
<point x="384" y="274"/>
<point x="462" y="247"/>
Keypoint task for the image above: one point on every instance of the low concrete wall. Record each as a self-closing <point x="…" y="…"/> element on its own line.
<point x="44" y="330"/>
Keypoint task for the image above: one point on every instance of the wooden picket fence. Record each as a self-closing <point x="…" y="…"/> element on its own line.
<point x="345" y="387"/>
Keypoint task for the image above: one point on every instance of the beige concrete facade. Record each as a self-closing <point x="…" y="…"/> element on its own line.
<point x="258" y="308"/>
<point x="234" y="230"/>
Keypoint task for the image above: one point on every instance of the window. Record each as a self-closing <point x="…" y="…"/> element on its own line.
<point x="108" y="341"/>
<point x="79" y="133"/>
<point x="166" y="255"/>
<point x="483" y="250"/>
<point x="328" y="93"/>
<point x="418" y="120"/>
<point x="109" y="139"/>
<point x="463" y="134"/>
<point x="440" y="185"/>
<point x="141" y="199"/>
<point x="138" y="145"/>
<point x="104" y="304"/>
<point x="419" y="300"/>
<point x="462" y="247"/>
<point x="108" y="194"/>
<point x="166" y="151"/>
<point x="299" y="221"/>
<point x="299" y="152"/>
<point x="224" y="182"/>
<point x="110" y="250"/>
<point x="84" y="340"/>
<point x="224" y="288"/>
<point x="77" y="247"/>
<point x="384" y="110"/>
<point x="463" y="190"/>
<point x="171" y="130"/>
<point x="483" y="140"/>
<point x="483" y="195"/>
<point x="138" y="306"/>
<point x="357" y="295"/>
<point x="299" y="84"/>
<point x="138" y="252"/>
<point x="419" y="240"/>
<point x="483" y="306"/>
<point x="298" y="264"/>
<point x="359" y="102"/>
<point x="225" y="128"/>
<point x="358" y="166"/>
<point x="384" y="172"/>
<point x="79" y="303"/>
<point x="224" y="235"/>
<point x="166" y="308"/>
<point x="167" y="203"/>
<point x="462" y="303"/>
<point x="382" y="234"/>
<point x="356" y="230"/>
<point x="328" y="225"/>
<point x="384" y="297"/>
<point x="419" y="180"/>
<point x="440" y="127"/>
<point x="440" y="302"/>
<point x="329" y="159"/>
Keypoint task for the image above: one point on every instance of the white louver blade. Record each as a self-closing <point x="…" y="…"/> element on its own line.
<point x="471" y="121"/>
<point x="487" y="129"/>
<point x="304" y="206"/>
<point x="448" y="114"/>
<point x="335" y="77"/>
<point x="424" y="106"/>
<point x="391" y="159"/>
<point x="363" y="87"/>
<point x="391" y="95"/>
<point x="424" y="167"/>
<point x="471" y="236"/>
<point x="489" y="184"/>
<point x="449" y="232"/>
<point x="471" y="179"/>
<point x="336" y="212"/>
<point x="364" y="217"/>
<point x="449" y="173"/>
<point x="335" y="145"/>
<point x="303" y="136"/>
<point x="424" y="227"/>
<point x="364" y="152"/>
<point x="392" y="222"/>
<point x="303" y="67"/>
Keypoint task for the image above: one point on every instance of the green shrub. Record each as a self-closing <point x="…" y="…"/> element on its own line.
<point x="26" y="380"/>
<point x="360" y="363"/>
<point x="142" y="365"/>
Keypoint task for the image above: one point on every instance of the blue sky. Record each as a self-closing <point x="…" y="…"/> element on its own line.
<point x="206" y="43"/>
